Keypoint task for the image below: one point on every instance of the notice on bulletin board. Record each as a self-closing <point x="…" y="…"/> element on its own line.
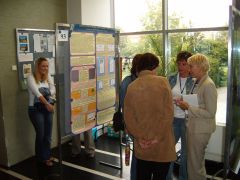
<point x="106" y="92"/>
<point x="105" y="115"/>
<point x="83" y="93"/>
<point x="82" y="60"/>
<point x="23" y="42"/>
<point x="32" y="44"/>
<point x="106" y="88"/>
<point x="82" y="43"/>
<point x="105" y="43"/>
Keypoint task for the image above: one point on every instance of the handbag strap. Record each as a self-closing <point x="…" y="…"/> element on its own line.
<point x="119" y="107"/>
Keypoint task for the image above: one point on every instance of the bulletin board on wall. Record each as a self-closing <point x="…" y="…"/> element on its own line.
<point x="32" y="44"/>
<point x="92" y="74"/>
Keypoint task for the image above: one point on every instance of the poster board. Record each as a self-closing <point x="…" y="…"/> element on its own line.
<point x="83" y="81"/>
<point x="91" y="62"/>
<point x="106" y="77"/>
<point x="32" y="44"/>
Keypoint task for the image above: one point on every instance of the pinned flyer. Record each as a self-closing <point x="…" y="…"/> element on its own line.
<point x="62" y="35"/>
<point x="23" y="42"/>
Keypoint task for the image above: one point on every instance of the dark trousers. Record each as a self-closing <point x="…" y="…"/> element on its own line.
<point x="42" y="122"/>
<point x="133" y="168"/>
<point x="150" y="170"/>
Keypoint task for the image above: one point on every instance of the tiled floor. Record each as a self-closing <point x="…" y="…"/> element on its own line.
<point x="84" y="168"/>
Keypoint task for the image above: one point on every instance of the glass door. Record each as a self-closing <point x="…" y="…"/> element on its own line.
<point x="232" y="141"/>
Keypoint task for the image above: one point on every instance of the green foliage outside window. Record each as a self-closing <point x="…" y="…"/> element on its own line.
<point x="211" y="44"/>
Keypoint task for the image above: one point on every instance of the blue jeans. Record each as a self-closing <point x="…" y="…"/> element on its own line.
<point x="179" y="129"/>
<point x="42" y="122"/>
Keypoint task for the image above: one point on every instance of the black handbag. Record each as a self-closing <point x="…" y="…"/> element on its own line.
<point x="118" y="122"/>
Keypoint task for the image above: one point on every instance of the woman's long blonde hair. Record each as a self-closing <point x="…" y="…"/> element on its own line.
<point x="38" y="77"/>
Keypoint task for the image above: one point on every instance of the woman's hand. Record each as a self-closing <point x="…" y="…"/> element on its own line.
<point x="177" y="99"/>
<point x="183" y="105"/>
<point x="146" y="144"/>
<point x="49" y="107"/>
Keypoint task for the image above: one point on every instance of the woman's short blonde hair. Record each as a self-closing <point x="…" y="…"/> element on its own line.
<point x="200" y="60"/>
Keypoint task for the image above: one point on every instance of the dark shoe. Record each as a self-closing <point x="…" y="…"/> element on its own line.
<point x="48" y="163"/>
<point x="51" y="159"/>
<point x="75" y="155"/>
<point x="91" y="155"/>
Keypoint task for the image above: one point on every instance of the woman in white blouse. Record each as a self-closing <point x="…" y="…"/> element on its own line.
<point x="41" y="106"/>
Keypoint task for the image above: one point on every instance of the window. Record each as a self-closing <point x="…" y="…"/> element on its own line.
<point x="193" y="25"/>
<point x="198" y="13"/>
<point x="133" y="44"/>
<point x="130" y="15"/>
<point x="214" y="45"/>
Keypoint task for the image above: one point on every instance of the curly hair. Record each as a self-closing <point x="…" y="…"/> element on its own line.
<point x="183" y="56"/>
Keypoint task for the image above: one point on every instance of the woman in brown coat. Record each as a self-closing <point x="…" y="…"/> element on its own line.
<point x="148" y="113"/>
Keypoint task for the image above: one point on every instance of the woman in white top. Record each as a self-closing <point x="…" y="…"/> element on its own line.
<point x="41" y="106"/>
<point x="181" y="84"/>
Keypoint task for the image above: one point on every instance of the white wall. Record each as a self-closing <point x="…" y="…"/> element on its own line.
<point x="96" y="12"/>
<point x="215" y="148"/>
<point x="74" y="12"/>
<point x="90" y="12"/>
